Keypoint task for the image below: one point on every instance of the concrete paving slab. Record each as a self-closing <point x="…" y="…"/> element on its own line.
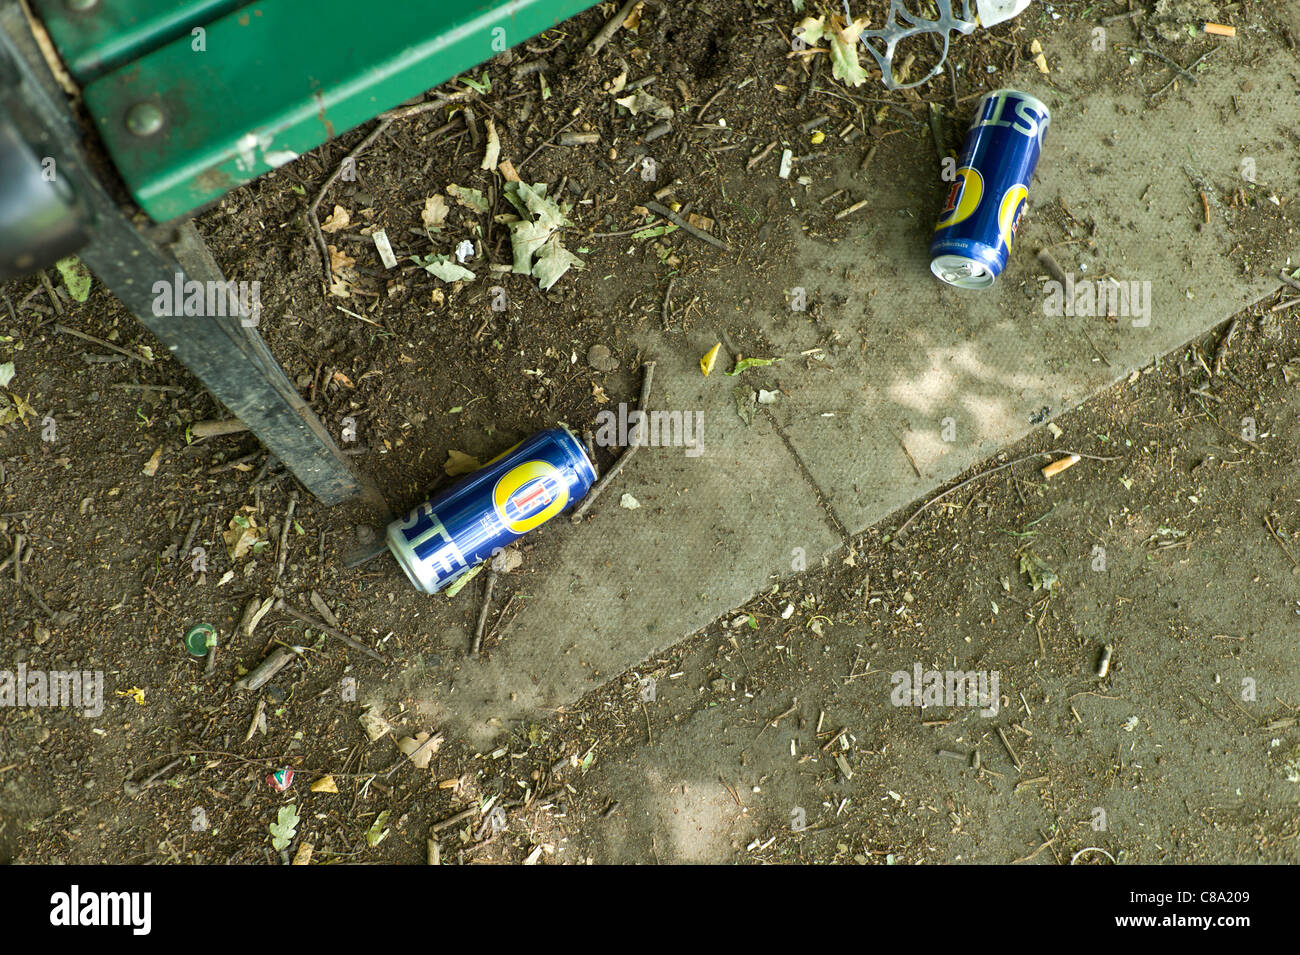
<point x="709" y="531"/>
<point x="955" y="374"/>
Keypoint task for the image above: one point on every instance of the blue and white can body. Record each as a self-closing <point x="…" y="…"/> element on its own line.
<point x="490" y="509"/>
<point x="979" y="221"/>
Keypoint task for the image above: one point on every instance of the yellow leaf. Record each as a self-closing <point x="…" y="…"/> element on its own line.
<point x="325" y="784"/>
<point x="303" y="855"/>
<point x="818" y="138"/>
<point x="708" y="361"/>
<point x="135" y="693"/>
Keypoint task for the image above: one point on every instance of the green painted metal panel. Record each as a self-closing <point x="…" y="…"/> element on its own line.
<point x="280" y="77"/>
<point x="95" y="36"/>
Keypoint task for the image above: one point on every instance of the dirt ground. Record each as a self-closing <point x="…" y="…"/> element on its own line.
<point x="1197" y="594"/>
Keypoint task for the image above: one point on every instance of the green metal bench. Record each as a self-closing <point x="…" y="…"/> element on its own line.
<point x="193" y="98"/>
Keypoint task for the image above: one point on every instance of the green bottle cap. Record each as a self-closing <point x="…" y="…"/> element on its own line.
<point x="199" y="638"/>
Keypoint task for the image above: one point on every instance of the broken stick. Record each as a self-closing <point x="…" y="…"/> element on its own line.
<point x="626" y="456"/>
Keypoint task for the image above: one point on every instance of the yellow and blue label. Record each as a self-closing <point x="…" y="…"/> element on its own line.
<point x="529" y="495"/>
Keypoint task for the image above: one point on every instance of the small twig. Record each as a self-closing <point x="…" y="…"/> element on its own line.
<point x="699" y="116"/>
<point x="581" y="512"/>
<point x="313" y="220"/>
<point x="435" y="739"/>
<point x="910" y="460"/>
<point x="1035" y="853"/>
<point x="284" y="607"/>
<point x="284" y="536"/>
<point x="542" y="145"/>
<point x="134" y="789"/>
<point x="1052" y="266"/>
<point x="450" y="821"/>
<point x="323" y="609"/>
<point x="385" y="120"/>
<point x="189" y="539"/>
<point x="1097" y="350"/>
<point x="846" y="212"/>
<point x="483" y="613"/>
<point x="1280" y="543"/>
<point x="610" y="28"/>
<point x="217" y="428"/>
<point x="54" y="296"/>
<point x="65" y="330"/>
<point x="1006" y="744"/>
<point x="755" y="160"/>
<point x="1221" y="353"/>
<point x="17" y="558"/>
<point x="686" y="226"/>
<point x="257" y="718"/>
<point x="1159" y="56"/>
<point x="260" y="675"/>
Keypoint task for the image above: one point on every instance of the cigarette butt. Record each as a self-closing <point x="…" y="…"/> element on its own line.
<point x="1219" y="29"/>
<point x="507" y="170"/>
<point x="1059" y="465"/>
<point x="1103" y="661"/>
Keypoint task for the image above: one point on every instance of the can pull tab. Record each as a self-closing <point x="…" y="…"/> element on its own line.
<point x="901" y="24"/>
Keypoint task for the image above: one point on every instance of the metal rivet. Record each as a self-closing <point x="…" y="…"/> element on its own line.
<point x="81" y="6"/>
<point x="144" y="119"/>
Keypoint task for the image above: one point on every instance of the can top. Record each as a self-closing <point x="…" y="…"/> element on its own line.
<point x="1029" y="98"/>
<point x="962" y="272"/>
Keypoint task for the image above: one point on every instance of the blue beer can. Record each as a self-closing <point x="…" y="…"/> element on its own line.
<point x="980" y="218"/>
<point x="491" y="508"/>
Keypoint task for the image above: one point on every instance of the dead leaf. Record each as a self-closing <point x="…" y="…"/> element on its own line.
<point x="435" y="213"/>
<point x="151" y="468"/>
<point x="336" y="220"/>
<point x="633" y="20"/>
<point x="340" y="261"/>
<point x="598" y="393"/>
<point x="303" y="855"/>
<point x="422" y="753"/>
<point x="243" y="534"/>
<point x="374" y="725"/>
<point x="642" y="102"/>
<point x="343" y="380"/>
<point x="325" y="784"/>
<point x="703" y="223"/>
<point x="492" y="152"/>
<point x="458" y="462"/>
